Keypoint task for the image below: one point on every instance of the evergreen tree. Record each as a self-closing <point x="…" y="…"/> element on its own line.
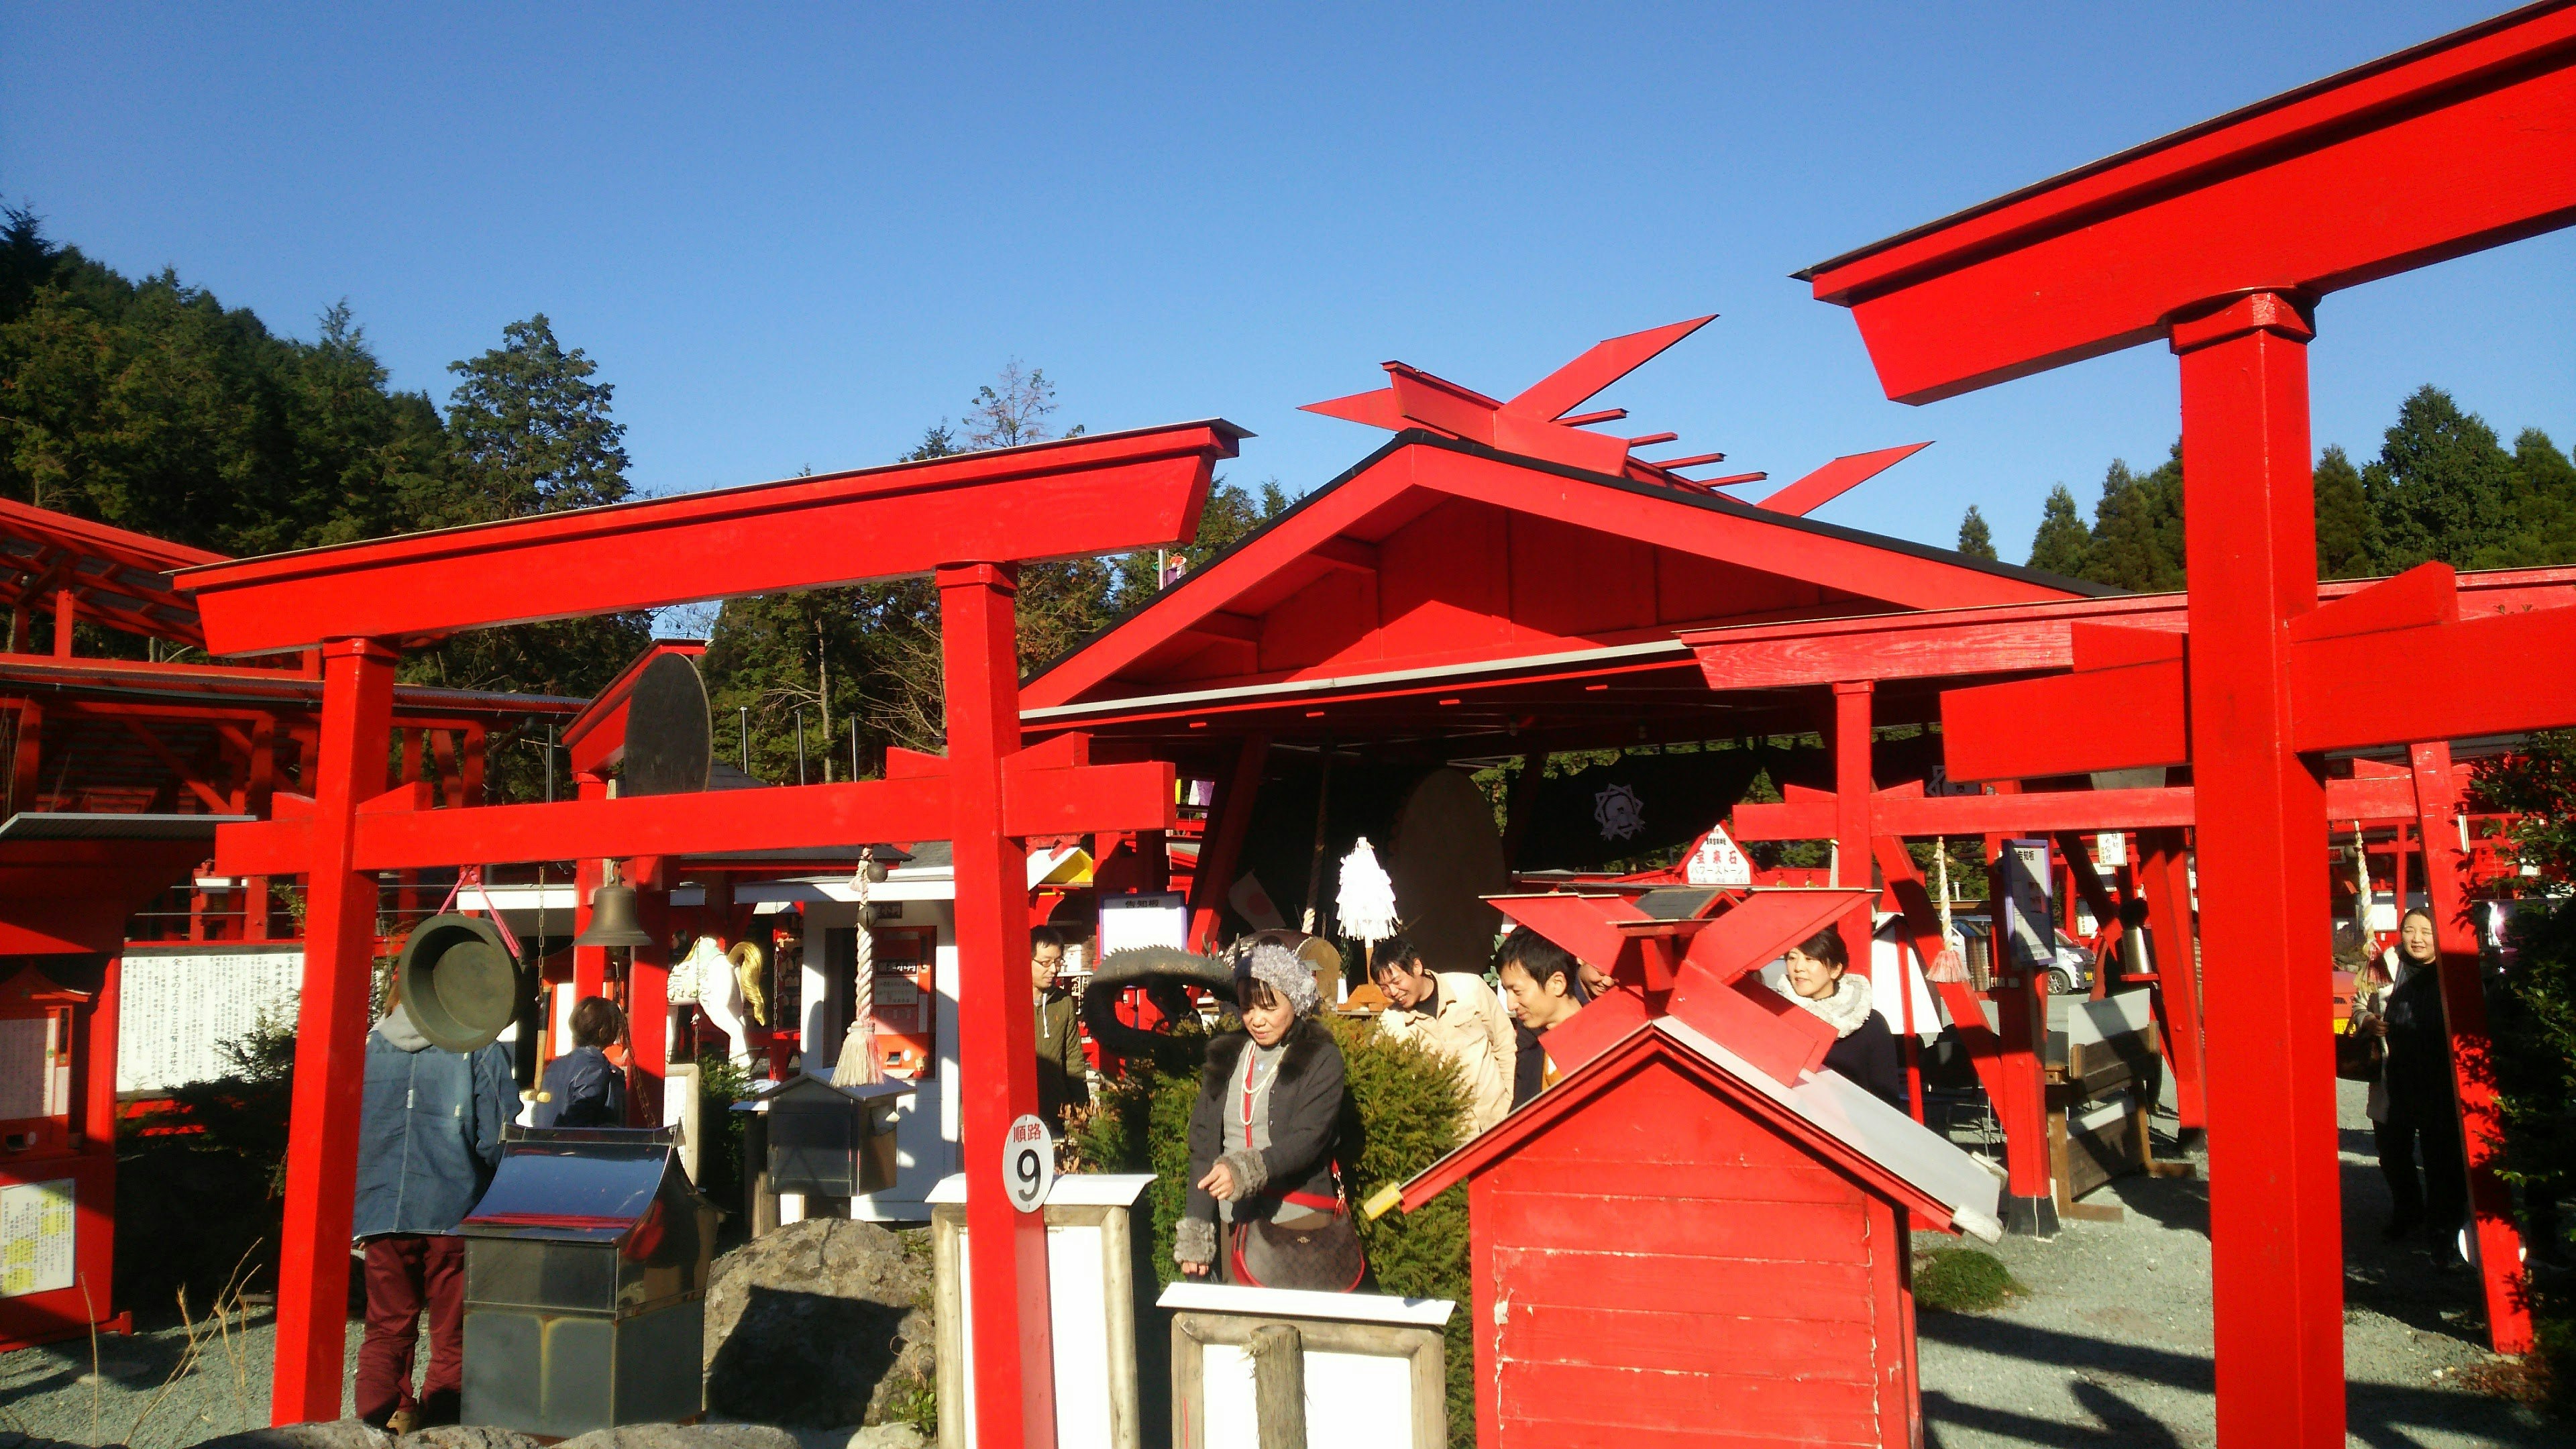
<point x="1975" y="539"/>
<point x="2344" y="525"/>
<point x="2137" y="541"/>
<point x="2441" y="488"/>
<point x="530" y="430"/>
<point x="2060" y="545"/>
<point x="2544" y="501"/>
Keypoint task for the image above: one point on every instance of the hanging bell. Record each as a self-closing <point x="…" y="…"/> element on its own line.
<point x="612" y="919"/>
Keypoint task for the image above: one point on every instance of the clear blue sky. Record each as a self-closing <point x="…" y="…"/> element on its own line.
<point x="792" y="238"/>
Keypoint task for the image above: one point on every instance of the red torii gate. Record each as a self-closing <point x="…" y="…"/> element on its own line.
<point x="966" y="520"/>
<point x="1899" y="661"/>
<point x="2220" y="239"/>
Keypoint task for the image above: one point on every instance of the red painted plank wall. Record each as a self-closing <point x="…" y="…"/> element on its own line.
<point x="1463" y="575"/>
<point x="1661" y="1269"/>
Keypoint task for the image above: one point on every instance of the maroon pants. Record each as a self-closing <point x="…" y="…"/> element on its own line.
<point x="406" y="1273"/>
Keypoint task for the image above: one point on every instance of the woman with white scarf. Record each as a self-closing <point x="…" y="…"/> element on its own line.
<point x="1864" y="1050"/>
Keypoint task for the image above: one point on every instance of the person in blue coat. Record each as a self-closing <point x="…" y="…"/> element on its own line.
<point x="583" y="1088"/>
<point x="428" y="1139"/>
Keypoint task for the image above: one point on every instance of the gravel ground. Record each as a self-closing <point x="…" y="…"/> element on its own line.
<point x="50" y="1392"/>
<point x="2112" y="1346"/>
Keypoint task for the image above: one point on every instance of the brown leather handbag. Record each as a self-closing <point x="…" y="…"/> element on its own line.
<point x="1302" y="1246"/>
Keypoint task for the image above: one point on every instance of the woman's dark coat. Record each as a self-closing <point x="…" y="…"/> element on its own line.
<point x="2417" y="1073"/>
<point x="1869" y="1060"/>
<point x="1305" y="1120"/>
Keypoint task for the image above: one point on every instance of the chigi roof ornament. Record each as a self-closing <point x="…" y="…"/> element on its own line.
<point x="1541" y="422"/>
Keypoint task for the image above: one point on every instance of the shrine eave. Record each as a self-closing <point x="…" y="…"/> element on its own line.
<point x="1339" y="527"/>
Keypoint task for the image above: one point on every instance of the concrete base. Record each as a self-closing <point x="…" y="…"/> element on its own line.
<point x="2032" y="1217"/>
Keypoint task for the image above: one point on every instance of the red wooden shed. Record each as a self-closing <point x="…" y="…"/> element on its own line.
<point x="1699" y="1236"/>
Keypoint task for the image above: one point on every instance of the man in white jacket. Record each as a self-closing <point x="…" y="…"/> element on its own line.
<point x="1453" y="1013"/>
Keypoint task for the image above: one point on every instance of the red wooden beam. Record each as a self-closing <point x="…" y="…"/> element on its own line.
<point x="2033" y="638"/>
<point x="1909" y="814"/>
<point x="2164" y="875"/>
<point x="1087" y="495"/>
<point x="1837" y="478"/>
<point x="2526" y="662"/>
<point x="1221" y="848"/>
<point x="2464" y="1007"/>
<point x="400" y="831"/>
<point x="996" y="1036"/>
<point x="2435" y="152"/>
<point x="331" y="1032"/>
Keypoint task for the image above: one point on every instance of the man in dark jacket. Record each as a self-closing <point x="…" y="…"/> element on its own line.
<point x="1064" y="1074"/>
<point x="428" y="1141"/>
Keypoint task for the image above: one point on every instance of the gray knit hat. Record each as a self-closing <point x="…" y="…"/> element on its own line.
<point x="1280" y="969"/>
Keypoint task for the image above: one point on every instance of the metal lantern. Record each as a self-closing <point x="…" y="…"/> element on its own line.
<point x="826" y="1140"/>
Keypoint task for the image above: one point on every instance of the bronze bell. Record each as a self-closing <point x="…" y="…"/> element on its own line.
<point x="612" y="919"/>
<point x="458" y="983"/>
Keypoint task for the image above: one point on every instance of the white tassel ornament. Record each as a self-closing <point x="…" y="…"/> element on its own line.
<point x="1367" y="902"/>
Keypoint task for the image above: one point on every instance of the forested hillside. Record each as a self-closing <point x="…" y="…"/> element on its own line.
<point x="2443" y="487"/>
<point x="150" y="405"/>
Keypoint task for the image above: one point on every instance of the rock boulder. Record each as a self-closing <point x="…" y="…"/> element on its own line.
<point x="326" y="1434"/>
<point x="820" y="1323"/>
<point x="684" y="1436"/>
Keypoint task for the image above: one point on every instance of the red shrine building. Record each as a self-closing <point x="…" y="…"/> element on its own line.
<point x="1698" y="1235"/>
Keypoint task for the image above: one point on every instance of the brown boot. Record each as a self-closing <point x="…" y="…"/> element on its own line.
<point x="402" y="1421"/>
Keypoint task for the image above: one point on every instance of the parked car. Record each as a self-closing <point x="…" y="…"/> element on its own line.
<point x="2070" y="973"/>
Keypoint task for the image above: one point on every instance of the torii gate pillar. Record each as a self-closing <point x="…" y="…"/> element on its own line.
<point x="2250" y="531"/>
<point x="331" y="1020"/>
<point x="1007" y="1248"/>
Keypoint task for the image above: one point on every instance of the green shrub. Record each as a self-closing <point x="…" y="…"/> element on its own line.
<point x="1407" y="1108"/>
<point x="1962" y="1280"/>
<point x="721" y="1083"/>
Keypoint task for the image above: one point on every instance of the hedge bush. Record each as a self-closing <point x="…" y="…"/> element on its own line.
<point x="1407" y="1108"/>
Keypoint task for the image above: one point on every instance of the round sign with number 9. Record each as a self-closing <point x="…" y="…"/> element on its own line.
<point x="1028" y="1163"/>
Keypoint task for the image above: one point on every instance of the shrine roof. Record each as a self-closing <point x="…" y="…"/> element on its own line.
<point x="1443" y="563"/>
<point x="1827" y="1114"/>
<point x="144" y="684"/>
<point x="119" y="578"/>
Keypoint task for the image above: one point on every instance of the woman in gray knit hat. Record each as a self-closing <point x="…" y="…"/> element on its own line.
<point x="1265" y="1206"/>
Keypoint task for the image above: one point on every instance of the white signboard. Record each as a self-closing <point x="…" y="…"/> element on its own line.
<point x="1028" y="1163"/>
<point x="176" y="1009"/>
<point x="1160" y="918"/>
<point x="1717" y="861"/>
<point x="35" y="1237"/>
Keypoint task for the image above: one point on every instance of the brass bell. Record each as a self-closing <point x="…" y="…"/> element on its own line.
<point x="612" y="919"/>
